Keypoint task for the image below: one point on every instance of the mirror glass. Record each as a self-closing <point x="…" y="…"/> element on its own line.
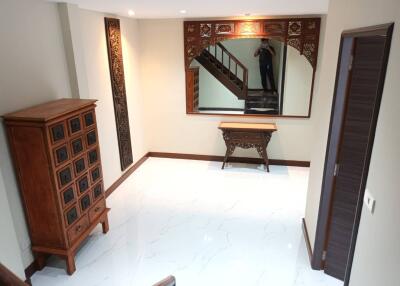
<point x="251" y="76"/>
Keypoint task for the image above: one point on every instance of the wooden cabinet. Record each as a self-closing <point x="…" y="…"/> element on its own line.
<point x="56" y="156"/>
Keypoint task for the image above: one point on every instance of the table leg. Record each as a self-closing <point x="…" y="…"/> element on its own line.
<point x="229" y="151"/>
<point x="265" y="157"/>
<point x="262" y="151"/>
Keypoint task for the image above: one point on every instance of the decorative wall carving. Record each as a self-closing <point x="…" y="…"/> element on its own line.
<point x="300" y="33"/>
<point x="113" y="35"/>
<point x="225" y="28"/>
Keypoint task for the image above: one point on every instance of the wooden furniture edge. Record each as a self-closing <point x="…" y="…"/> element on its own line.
<point x="15" y="116"/>
<point x="7" y="277"/>
<point x="126" y="174"/>
<point x="245" y="126"/>
<point x="169" y="281"/>
<point x="307" y="239"/>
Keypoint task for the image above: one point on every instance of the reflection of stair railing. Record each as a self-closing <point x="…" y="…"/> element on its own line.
<point x="226" y="68"/>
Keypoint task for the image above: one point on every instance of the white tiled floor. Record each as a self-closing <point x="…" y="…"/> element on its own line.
<point x="207" y="226"/>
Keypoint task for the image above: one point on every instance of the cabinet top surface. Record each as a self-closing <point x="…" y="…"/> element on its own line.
<point x="248" y="126"/>
<point x="49" y="110"/>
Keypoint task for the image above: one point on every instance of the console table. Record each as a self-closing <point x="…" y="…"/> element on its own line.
<point x="247" y="135"/>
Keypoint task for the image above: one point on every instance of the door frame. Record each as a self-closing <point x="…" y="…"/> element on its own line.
<point x="322" y="229"/>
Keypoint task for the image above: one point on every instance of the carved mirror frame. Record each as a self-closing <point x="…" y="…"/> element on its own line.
<point x="299" y="33"/>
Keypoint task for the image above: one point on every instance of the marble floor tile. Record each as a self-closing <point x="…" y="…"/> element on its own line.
<point x="206" y="226"/>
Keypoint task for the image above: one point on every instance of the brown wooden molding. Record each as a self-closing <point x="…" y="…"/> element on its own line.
<point x="216" y="158"/>
<point x="7" y="278"/>
<point x="169" y="281"/>
<point x="307" y="239"/>
<point x="116" y="63"/>
<point x="125" y="175"/>
<point x="300" y="33"/>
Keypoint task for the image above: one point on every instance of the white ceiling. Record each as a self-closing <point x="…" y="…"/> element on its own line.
<point x="203" y="8"/>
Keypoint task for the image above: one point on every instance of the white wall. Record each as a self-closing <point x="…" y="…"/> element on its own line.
<point x="162" y="61"/>
<point x="298" y="83"/>
<point x="10" y="253"/>
<point x="33" y="70"/>
<point x="376" y="260"/>
<point x="212" y="93"/>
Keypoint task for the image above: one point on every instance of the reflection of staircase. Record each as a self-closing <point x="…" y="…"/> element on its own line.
<point x="261" y="102"/>
<point x="226" y="68"/>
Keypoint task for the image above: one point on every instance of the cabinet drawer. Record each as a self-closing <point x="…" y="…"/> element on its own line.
<point x="238" y="135"/>
<point x="78" y="228"/>
<point x="68" y="196"/>
<point x="61" y="155"/>
<point x="57" y="132"/>
<point x="98" y="191"/>
<point x="97" y="209"/>
<point x="74" y="125"/>
<point x="64" y="176"/>
<point x="89" y="119"/>
<point x="71" y="216"/>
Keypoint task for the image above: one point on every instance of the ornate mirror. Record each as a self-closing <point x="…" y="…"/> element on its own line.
<point x="253" y="68"/>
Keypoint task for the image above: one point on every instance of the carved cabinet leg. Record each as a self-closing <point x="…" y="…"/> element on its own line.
<point x="40" y="260"/>
<point x="70" y="264"/>
<point x="105" y="225"/>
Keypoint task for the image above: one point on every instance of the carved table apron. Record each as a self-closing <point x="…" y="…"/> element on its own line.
<point x="247" y="135"/>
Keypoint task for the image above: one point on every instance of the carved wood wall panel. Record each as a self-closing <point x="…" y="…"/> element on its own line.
<point x="300" y="33"/>
<point x="113" y="35"/>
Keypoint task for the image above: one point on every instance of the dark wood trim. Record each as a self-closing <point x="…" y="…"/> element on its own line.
<point x="216" y="158"/>
<point x="387" y="31"/>
<point x="325" y="200"/>
<point x="307" y="239"/>
<point x="378" y="30"/>
<point x="169" y="281"/>
<point x="8" y="278"/>
<point x="249" y="115"/>
<point x="281" y="94"/>
<point x="326" y="193"/>
<point x="219" y="109"/>
<point x="125" y="175"/>
<point x="198" y="35"/>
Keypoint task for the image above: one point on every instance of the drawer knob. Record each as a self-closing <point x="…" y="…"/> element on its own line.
<point x="97" y="209"/>
<point x="78" y="228"/>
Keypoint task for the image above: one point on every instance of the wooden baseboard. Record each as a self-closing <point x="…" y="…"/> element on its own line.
<point x="231" y="159"/>
<point x="307" y="239"/>
<point x="125" y="175"/>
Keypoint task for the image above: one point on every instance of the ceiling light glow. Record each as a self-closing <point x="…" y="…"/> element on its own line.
<point x="131" y="13"/>
<point x="182" y="11"/>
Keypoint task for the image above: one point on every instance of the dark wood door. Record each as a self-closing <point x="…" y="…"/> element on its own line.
<point x="358" y="129"/>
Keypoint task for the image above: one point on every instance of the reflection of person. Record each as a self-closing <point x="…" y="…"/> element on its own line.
<point x="265" y="53"/>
